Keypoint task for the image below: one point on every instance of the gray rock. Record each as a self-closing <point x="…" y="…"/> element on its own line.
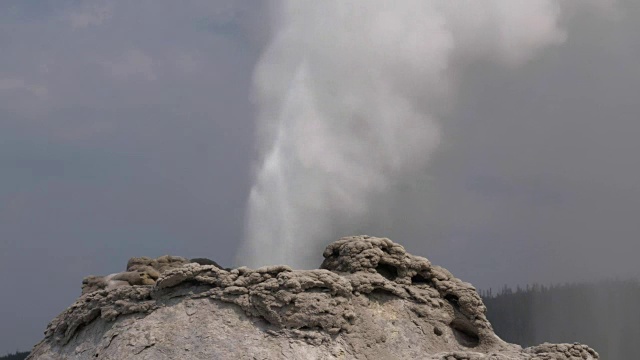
<point x="140" y="271"/>
<point x="370" y="300"/>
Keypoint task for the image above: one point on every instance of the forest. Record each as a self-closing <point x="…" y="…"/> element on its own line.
<point x="604" y="315"/>
<point x="15" y="356"/>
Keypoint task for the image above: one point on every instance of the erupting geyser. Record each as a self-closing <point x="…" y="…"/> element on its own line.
<point x="349" y="94"/>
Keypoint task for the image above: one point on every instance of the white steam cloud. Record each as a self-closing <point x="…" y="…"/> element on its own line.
<point x="349" y="94"/>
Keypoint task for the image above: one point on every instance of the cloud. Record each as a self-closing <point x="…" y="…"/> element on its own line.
<point x="131" y="64"/>
<point x="188" y="62"/>
<point x="92" y="14"/>
<point x="13" y="84"/>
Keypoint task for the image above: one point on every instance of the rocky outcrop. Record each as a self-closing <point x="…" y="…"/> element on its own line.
<point x="140" y="271"/>
<point x="369" y="300"/>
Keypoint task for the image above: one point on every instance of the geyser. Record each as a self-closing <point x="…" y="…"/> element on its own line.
<point x="349" y="94"/>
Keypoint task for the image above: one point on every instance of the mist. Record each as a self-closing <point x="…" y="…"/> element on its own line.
<point x="602" y="314"/>
<point x="349" y="98"/>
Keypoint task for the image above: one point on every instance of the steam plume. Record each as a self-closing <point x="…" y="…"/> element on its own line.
<point x="349" y="94"/>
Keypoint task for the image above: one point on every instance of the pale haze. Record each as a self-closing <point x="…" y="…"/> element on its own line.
<point x="498" y="140"/>
<point x="350" y="100"/>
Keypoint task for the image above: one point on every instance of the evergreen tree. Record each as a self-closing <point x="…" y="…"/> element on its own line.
<point x="15" y="356"/>
<point x="603" y="315"/>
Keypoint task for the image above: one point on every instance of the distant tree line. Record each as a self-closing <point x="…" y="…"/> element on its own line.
<point x="15" y="356"/>
<point x="604" y="315"/>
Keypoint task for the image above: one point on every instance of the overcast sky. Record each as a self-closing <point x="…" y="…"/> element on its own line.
<point x="127" y="129"/>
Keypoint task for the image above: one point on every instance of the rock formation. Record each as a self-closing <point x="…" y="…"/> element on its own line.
<point x="140" y="271"/>
<point x="369" y="300"/>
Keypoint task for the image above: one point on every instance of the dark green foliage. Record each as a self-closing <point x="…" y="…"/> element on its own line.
<point x="603" y="315"/>
<point x="15" y="356"/>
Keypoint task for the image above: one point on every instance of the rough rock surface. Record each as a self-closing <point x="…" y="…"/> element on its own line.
<point x="140" y="271"/>
<point x="370" y="300"/>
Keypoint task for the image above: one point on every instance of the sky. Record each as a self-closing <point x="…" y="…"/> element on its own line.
<point x="129" y="129"/>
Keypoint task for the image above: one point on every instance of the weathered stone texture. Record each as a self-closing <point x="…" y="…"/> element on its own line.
<point x="370" y="300"/>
